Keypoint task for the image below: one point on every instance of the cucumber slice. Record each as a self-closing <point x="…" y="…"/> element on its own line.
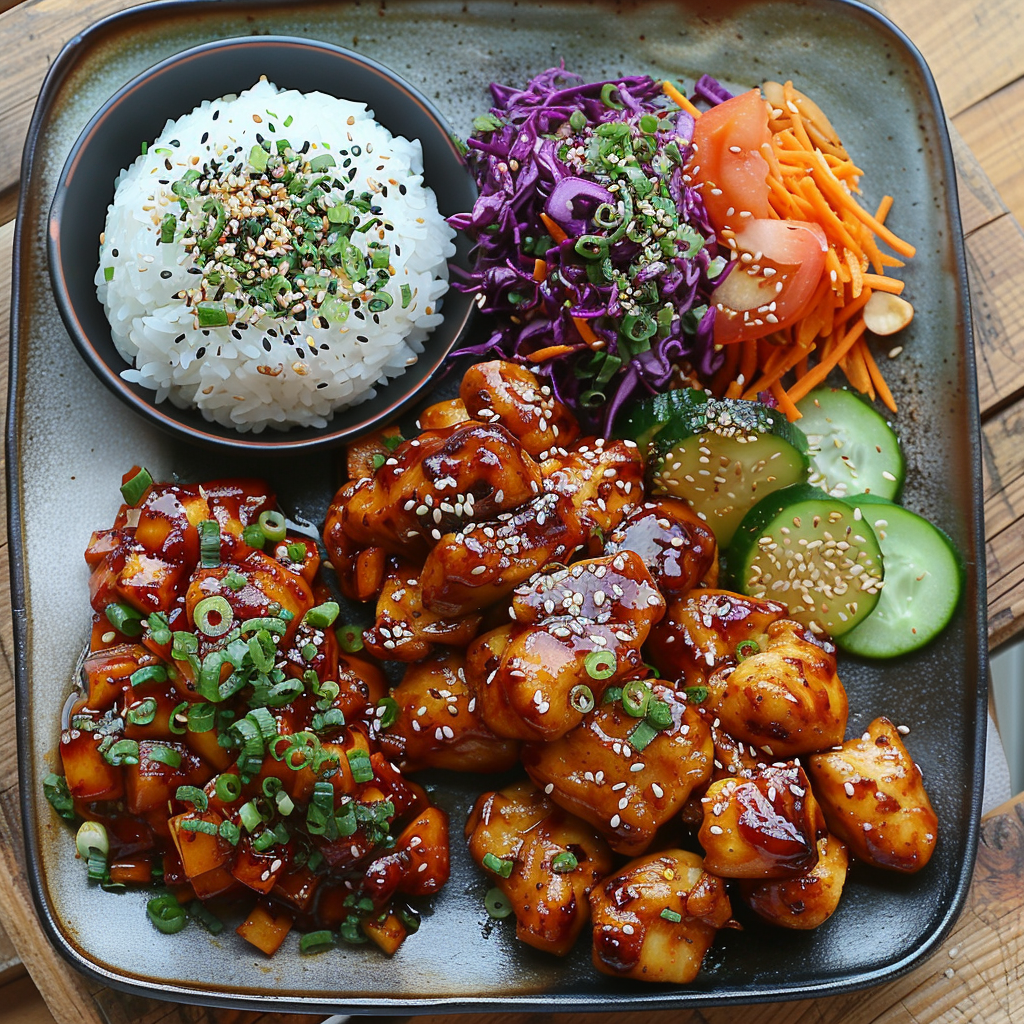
<point x="720" y="455"/>
<point x="646" y="418"/>
<point x="923" y="582"/>
<point x="852" y="449"/>
<point x="812" y="552"/>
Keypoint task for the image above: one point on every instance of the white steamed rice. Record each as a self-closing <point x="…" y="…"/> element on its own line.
<point x="252" y="377"/>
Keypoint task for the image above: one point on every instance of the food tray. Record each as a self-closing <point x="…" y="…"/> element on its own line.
<point x="69" y="441"/>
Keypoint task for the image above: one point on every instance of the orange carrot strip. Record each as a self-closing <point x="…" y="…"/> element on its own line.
<point x="727" y="372"/>
<point x="734" y="390"/>
<point x="540" y="270"/>
<point x="586" y="331"/>
<point x="834" y="191"/>
<point x="856" y="372"/>
<point x="853" y="307"/>
<point x="557" y="234"/>
<point x="786" y="404"/>
<point x="884" y="284"/>
<point x="809" y="189"/>
<point x="856" y="272"/>
<point x="801" y="367"/>
<point x="824" y="368"/>
<point x="883" y="209"/>
<point x="871" y="250"/>
<point x="891" y="261"/>
<point x="679" y="99"/>
<point x="879" y="381"/>
<point x="772" y="374"/>
<point x="543" y="354"/>
<point x="748" y="362"/>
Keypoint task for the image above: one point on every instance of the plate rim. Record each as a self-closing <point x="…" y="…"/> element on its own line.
<point x="678" y="997"/>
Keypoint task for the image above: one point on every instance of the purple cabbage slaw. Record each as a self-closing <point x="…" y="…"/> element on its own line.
<point x="538" y="151"/>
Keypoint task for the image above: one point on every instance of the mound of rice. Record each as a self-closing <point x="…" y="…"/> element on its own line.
<point x="284" y="327"/>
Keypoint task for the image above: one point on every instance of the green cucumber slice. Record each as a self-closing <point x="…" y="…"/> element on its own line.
<point x="812" y="552"/>
<point x="923" y="582"/>
<point x="647" y="418"/>
<point x="722" y="456"/>
<point x="852" y="448"/>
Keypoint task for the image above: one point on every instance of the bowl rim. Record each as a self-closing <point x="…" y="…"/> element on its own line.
<point x="164" y="414"/>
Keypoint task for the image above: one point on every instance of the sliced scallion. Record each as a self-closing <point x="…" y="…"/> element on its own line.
<point x="497" y="904"/>
<point x="497" y="865"/>
<point x="213" y="616"/>
<point x="273" y="525"/>
<point x="600" y="664"/>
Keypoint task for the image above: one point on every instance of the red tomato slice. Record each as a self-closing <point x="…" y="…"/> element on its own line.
<point x="727" y="162"/>
<point x="772" y="281"/>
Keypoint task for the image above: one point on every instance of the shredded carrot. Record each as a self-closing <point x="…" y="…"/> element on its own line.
<point x="878" y="380"/>
<point x="587" y="332"/>
<point x="884" y="284"/>
<point x="678" y="98"/>
<point x="852" y="261"/>
<point x="543" y="354"/>
<point x="727" y="372"/>
<point x="824" y="368"/>
<point x="557" y="234"/>
<point x="856" y="370"/>
<point x="748" y="362"/>
<point x="774" y="373"/>
<point x="540" y="270"/>
<point x="786" y="404"/>
<point x="883" y="209"/>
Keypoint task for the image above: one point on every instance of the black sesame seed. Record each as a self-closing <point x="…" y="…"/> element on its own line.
<point x="237" y="335"/>
<point x="402" y="190"/>
<point x="179" y="339"/>
<point x="165" y="274"/>
<point x="113" y="252"/>
<point x="175" y="143"/>
<point x="202" y="350"/>
<point x="362" y="338"/>
<point x="216" y="114"/>
<point x="203" y="140"/>
<point x="321" y="385"/>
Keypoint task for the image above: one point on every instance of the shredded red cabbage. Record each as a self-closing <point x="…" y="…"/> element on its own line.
<point x="603" y="160"/>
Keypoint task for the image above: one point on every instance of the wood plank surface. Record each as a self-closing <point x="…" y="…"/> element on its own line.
<point x="976" y="51"/>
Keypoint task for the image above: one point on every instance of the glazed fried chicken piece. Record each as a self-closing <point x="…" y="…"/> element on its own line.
<point x="702" y="630"/>
<point x="438" y="724"/>
<point x="624" y="774"/>
<point x="436" y="484"/>
<point x="604" y="480"/>
<point x="404" y="629"/>
<point x="578" y="627"/>
<point x="767" y="826"/>
<point x="544" y="860"/>
<point x="785" y="698"/>
<point x="485" y="562"/>
<point x="678" y="548"/>
<point x="657" y="917"/>
<point x="874" y="799"/>
<point x="507" y="393"/>
<point x="808" y="900"/>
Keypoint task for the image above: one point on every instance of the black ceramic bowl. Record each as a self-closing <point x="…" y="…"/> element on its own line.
<point x="138" y="111"/>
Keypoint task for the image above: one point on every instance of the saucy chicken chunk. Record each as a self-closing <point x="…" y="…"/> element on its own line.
<point x="504" y="392"/>
<point x="629" y="767"/>
<point x="808" y="900"/>
<point x="874" y="799"/>
<point x="702" y="630"/>
<point x="438" y="722"/>
<point x="544" y="860"/>
<point x="573" y="628"/>
<point x="657" y="917"/>
<point x="766" y="826"/>
<point x="785" y="697"/>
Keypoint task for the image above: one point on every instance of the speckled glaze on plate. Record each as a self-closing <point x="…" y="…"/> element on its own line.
<point x="69" y="440"/>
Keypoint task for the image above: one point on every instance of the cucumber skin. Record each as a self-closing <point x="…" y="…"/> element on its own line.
<point x="850" y="646"/>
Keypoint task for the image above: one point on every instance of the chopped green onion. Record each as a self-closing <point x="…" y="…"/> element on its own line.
<point x="234" y="581"/>
<point x="308" y="652"/>
<point x="359" y="762"/>
<point x="747" y="649"/>
<point x="581" y="698"/>
<point x="272" y="786"/>
<point x="564" y="862"/>
<point x="600" y="664"/>
<point x="486" y="123"/>
<point x="174" y="723"/>
<point x="322" y="162"/>
<point x="498" y="866"/>
<point x="378" y="460"/>
<point x="642" y="734"/>
<point x="258" y="158"/>
<point x="229" y="832"/>
<point x="659" y="714"/>
<point x="201" y="717"/>
<point x="228" y="788"/>
<point x="213" y="616"/>
<point x="254" y="536"/>
<point x="183" y="644"/>
<point x="159" y="628"/>
<point x="317" y="942"/>
<point x="387" y="712"/>
<point x="577" y="120"/>
<point x="497" y="904"/>
<point x="213" y="924"/>
<point x="606" y="96"/>
<point x="145" y="148"/>
<point x="323" y="615"/>
<point x="92" y="839"/>
<point x="351" y="932"/>
<point x="193" y="795"/>
<point x="406" y="295"/>
<point x="297" y="552"/>
<point x="211" y="314"/>
<point x="249" y="816"/>
<point x="124" y="618"/>
<point x="612" y="695"/>
<point x="165" y="755"/>
<point x="148" y="674"/>
<point x="273" y="525"/>
<point x="55" y="789"/>
<point x="167" y="914"/>
<point x="696" y="694"/>
<point x="142" y="713"/>
<point x="167" y="228"/>
<point x="264" y="841"/>
<point x="209" y="543"/>
<point x="284" y="802"/>
<point x="122" y="752"/>
<point x="672" y="915"/>
<point x="108" y="273"/>
<point x="636" y="695"/>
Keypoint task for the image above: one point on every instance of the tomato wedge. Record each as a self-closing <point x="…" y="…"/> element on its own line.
<point x="772" y="281"/>
<point x="727" y="162"/>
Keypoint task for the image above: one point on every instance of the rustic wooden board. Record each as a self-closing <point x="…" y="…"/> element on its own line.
<point x="977" y="974"/>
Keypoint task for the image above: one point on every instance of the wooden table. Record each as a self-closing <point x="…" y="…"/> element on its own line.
<point x="976" y="51"/>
